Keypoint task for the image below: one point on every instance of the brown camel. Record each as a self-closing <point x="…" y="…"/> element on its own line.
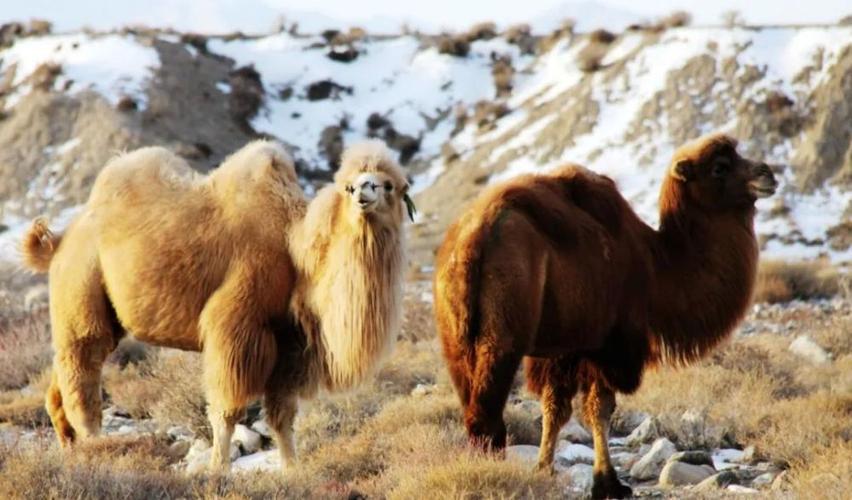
<point x="282" y="297"/>
<point x="557" y="269"/>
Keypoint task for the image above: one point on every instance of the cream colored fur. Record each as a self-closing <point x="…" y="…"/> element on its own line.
<point x="281" y="297"/>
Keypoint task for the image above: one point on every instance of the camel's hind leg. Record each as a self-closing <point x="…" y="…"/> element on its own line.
<point x="53" y="402"/>
<point x="74" y="397"/>
<point x="281" y="411"/>
<point x="492" y="381"/>
<point x="598" y="405"/>
<point x="555" y="381"/>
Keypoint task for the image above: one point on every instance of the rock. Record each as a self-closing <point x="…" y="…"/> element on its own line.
<point x="407" y="145"/>
<point x="423" y="390"/>
<point x="198" y="461"/>
<point x="580" y="478"/>
<point x="682" y="473"/>
<point x="722" y="458"/>
<point x="718" y="481"/>
<point x="574" y="432"/>
<point x="646" y="432"/>
<point x="780" y="481"/>
<point x="736" y="488"/>
<point x="695" y="431"/>
<point x="36" y="297"/>
<point x="749" y="455"/>
<point x="331" y="145"/>
<point x="624" y="459"/>
<point x="264" y="461"/>
<point x="764" y="480"/>
<point x="806" y="348"/>
<point x="650" y="465"/>
<point x="246" y="94"/>
<point x="342" y="54"/>
<point x="530" y="407"/>
<point x="180" y="433"/>
<point x="626" y="422"/>
<point x="325" y="89"/>
<point x="179" y="449"/>
<point x="570" y="454"/>
<point x="248" y="440"/>
<point x="522" y="453"/>
<point x="696" y="457"/>
<point x="198" y="446"/>
<point x="262" y="428"/>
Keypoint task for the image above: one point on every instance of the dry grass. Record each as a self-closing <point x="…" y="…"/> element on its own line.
<point x="828" y="473"/>
<point x="779" y="281"/>
<point x="24" y="349"/>
<point x="759" y="394"/>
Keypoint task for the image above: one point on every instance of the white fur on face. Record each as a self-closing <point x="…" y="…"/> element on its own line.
<point x="367" y="190"/>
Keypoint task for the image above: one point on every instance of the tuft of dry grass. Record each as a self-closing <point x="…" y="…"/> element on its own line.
<point x="827" y="474"/>
<point x="481" y="31"/>
<point x="454" y="45"/>
<point x="24" y="349"/>
<point x="779" y="281"/>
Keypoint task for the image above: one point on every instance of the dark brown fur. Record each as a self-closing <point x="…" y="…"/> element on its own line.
<point x="559" y="270"/>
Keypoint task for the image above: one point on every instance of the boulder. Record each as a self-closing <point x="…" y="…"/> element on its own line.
<point x="681" y="473"/>
<point x="522" y="453"/>
<point x="695" y="431"/>
<point x="650" y="465"/>
<point x="806" y="348"/>
<point x="570" y="454"/>
<point x="695" y="457"/>
<point x="262" y="428"/>
<point x="248" y="440"/>
<point x="718" y="481"/>
<point x="580" y="478"/>
<point x="574" y="432"/>
<point x="646" y="432"/>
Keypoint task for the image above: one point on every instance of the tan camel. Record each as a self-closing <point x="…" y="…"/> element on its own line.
<point x="282" y="297"/>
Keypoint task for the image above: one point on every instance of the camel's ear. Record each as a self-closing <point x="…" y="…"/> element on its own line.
<point x="409" y="203"/>
<point x="682" y="170"/>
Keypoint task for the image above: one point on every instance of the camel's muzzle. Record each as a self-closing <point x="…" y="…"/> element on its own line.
<point x="763" y="184"/>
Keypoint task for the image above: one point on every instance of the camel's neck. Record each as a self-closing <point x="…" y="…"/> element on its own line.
<point x="705" y="266"/>
<point x="354" y="295"/>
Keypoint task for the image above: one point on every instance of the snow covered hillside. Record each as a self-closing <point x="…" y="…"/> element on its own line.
<point x="461" y="111"/>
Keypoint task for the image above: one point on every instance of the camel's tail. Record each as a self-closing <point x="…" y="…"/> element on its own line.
<point x="38" y="246"/>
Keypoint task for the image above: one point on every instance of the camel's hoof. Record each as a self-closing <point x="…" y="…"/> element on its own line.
<point x="610" y="487"/>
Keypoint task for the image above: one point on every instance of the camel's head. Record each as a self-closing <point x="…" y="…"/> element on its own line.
<point x="373" y="184"/>
<point x="715" y="176"/>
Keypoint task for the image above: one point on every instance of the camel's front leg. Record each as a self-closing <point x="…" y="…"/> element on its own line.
<point x="222" y="422"/>
<point x="598" y="405"/>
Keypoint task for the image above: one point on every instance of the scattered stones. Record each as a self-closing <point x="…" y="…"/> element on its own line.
<point x="344" y="54"/>
<point x="624" y="459"/>
<point x="423" y="390"/>
<point x="650" y="465"/>
<point x="764" y="480"/>
<point x="574" y="432"/>
<point x="627" y="421"/>
<point x="722" y="458"/>
<point x="718" y="481"/>
<point x="570" y="454"/>
<point x="695" y="457"/>
<point x="262" y="428"/>
<point x="248" y="440"/>
<point x="677" y="473"/>
<point x="736" y="488"/>
<point x="695" y="431"/>
<point x="580" y="478"/>
<point x="264" y="461"/>
<point x="198" y="456"/>
<point x="180" y="433"/>
<point x="805" y="347"/>
<point x="179" y="448"/>
<point x="326" y="89"/>
<point x="647" y="431"/>
<point x="522" y="453"/>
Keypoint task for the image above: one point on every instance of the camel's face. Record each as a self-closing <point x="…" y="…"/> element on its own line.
<point x="718" y="177"/>
<point x="376" y="194"/>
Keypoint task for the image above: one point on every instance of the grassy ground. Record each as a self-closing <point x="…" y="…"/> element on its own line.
<point x="384" y="441"/>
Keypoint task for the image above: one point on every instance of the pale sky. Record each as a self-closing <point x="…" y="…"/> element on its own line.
<point x="388" y="15"/>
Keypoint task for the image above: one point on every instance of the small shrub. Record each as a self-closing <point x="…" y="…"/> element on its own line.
<point x="590" y="58"/>
<point x="453" y="45"/>
<point x="481" y="31"/>
<point x="601" y="36"/>
<point x="24" y="349"/>
<point x="779" y="281"/>
<point x="503" y="72"/>
<point x="677" y="19"/>
<point x="246" y="94"/>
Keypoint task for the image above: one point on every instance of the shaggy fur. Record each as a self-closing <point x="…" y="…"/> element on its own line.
<point x="281" y="297"/>
<point x="559" y="270"/>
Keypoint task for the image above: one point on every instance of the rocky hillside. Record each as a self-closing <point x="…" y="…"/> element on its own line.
<point x="461" y="110"/>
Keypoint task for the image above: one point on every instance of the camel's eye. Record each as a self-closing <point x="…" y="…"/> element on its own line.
<point x="388" y="186"/>
<point x="350" y="189"/>
<point x="720" y="167"/>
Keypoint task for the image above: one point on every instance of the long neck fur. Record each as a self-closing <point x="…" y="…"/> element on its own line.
<point x="705" y="265"/>
<point x="348" y="299"/>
